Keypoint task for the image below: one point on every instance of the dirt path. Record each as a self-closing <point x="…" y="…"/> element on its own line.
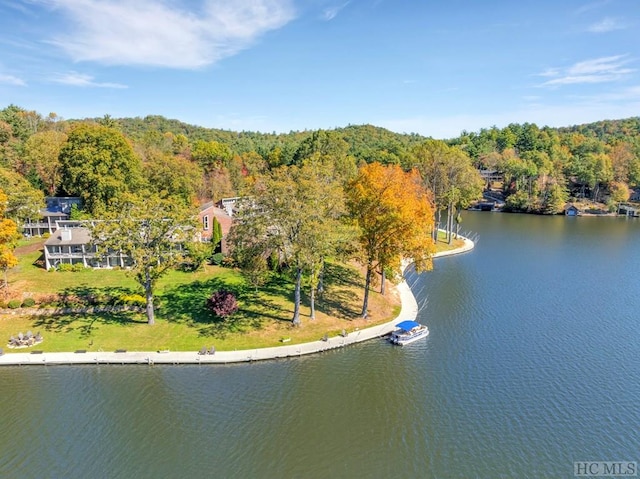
<point x="30" y="248"/>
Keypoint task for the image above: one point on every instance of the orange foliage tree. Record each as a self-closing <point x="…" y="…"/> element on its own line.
<point x="8" y="237"/>
<point x="394" y="213"/>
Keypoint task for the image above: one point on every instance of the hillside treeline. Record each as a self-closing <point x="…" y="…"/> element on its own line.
<point x="99" y="159"/>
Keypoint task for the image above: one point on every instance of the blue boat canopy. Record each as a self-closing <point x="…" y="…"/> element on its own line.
<point x="407" y="325"/>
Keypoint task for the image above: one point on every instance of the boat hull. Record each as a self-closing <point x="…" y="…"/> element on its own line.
<point x="402" y="338"/>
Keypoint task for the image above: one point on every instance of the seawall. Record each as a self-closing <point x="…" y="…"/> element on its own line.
<point x="408" y="311"/>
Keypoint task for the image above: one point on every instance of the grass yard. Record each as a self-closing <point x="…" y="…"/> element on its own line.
<point x="182" y="322"/>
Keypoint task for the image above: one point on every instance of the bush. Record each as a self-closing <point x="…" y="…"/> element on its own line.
<point x="228" y="262"/>
<point x="28" y="303"/>
<point x="133" y="300"/>
<point x="76" y="268"/>
<point x="222" y="303"/>
<point x="65" y="267"/>
<point x="14" y="304"/>
<point x="3" y="304"/>
<point x="217" y="259"/>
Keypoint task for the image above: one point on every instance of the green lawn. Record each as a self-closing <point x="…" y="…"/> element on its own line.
<point x="182" y="321"/>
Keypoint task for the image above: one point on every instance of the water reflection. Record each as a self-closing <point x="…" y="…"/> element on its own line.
<point x="531" y="364"/>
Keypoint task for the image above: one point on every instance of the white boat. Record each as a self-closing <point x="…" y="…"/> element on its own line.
<point x="408" y="332"/>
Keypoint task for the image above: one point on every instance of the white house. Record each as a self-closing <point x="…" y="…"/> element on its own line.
<point x="71" y="244"/>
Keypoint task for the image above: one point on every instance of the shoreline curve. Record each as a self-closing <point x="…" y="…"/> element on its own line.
<point x="409" y="310"/>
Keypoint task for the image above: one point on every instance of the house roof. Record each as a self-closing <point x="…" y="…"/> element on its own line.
<point x="79" y="236"/>
<point x="206" y="206"/>
<point x="56" y="214"/>
<point x="215" y="210"/>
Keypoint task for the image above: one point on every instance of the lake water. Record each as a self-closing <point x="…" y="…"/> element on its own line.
<point x="533" y="362"/>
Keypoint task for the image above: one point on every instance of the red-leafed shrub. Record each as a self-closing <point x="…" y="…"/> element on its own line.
<point x="222" y="303"/>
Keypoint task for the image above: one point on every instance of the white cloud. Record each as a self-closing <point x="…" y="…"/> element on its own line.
<point x="332" y="12"/>
<point x="606" y="25"/>
<point x="12" y="80"/>
<point x="574" y="110"/>
<point x="82" y="80"/>
<point x="592" y="6"/>
<point x="163" y="33"/>
<point x="597" y="70"/>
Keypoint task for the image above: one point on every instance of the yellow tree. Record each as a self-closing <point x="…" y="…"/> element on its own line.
<point x="8" y="238"/>
<point x="394" y="213"/>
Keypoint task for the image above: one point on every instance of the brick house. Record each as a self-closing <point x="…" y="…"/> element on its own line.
<point x="206" y="215"/>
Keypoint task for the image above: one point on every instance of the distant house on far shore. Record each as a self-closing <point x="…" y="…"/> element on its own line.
<point x="571" y="210"/>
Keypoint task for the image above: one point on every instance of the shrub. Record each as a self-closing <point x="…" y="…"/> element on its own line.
<point x="222" y="303"/>
<point x="3" y="304"/>
<point x="228" y="262"/>
<point x="14" y="304"/>
<point x="217" y="259"/>
<point x="28" y="303"/>
<point x="76" y="268"/>
<point x="50" y="300"/>
<point x="65" y="267"/>
<point x="133" y="300"/>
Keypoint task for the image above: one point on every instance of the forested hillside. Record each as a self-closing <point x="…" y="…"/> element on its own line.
<point x="99" y="159"/>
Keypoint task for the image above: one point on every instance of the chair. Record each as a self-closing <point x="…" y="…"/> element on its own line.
<point x="1" y="351"/>
<point x="203" y="350"/>
<point x="212" y="350"/>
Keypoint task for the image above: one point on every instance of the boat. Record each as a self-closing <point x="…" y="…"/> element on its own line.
<point x="408" y="332"/>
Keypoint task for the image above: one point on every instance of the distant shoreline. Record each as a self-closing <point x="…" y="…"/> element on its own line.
<point x="409" y="310"/>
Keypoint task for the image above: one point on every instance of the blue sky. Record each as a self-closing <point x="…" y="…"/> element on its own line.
<point x="434" y="67"/>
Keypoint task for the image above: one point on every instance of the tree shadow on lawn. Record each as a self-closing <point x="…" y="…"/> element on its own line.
<point x="338" y="303"/>
<point x="84" y="322"/>
<point x="338" y="298"/>
<point x="342" y="276"/>
<point x="187" y="303"/>
<point x="82" y="295"/>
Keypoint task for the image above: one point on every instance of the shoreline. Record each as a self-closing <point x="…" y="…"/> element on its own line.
<point x="408" y="311"/>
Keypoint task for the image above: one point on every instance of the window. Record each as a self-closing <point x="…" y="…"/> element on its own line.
<point x="205" y="223"/>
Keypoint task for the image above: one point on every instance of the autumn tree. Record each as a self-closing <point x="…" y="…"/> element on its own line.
<point x="98" y="164"/>
<point x="293" y="214"/>
<point x="394" y="213"/>
<point x="449" y="174"/>
<point x="8" y="238"/>
<point x="330" y="148"/>
<point x="149" y="232"/>
<point x="619" y="193"/>
<point x="172" y="176"/>
<point x="210" y="154"/>
<point x="24" y="201"/>
<point x="42" y="152"/>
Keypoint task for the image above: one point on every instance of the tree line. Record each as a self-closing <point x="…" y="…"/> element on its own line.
<point x="356" y="192"/>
